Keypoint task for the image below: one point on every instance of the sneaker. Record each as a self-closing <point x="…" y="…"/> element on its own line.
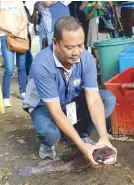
<point x="6" y="102"/>
<point x="87" y="140"/>
<point x="22" y="96"/>
<point x="46" y="151"/>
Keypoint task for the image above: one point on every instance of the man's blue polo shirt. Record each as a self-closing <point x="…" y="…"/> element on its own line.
<point x="47" y="84"/>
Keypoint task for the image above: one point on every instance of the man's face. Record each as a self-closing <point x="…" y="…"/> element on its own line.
<point x="70" y="47"/>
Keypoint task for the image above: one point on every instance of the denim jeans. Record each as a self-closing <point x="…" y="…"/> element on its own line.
<point x="49" y="133"/>
<point x="29" y="59"/>
<point x="42" y="34"/>
<point x="8" y="57"/>
<point x="49" y="37"/>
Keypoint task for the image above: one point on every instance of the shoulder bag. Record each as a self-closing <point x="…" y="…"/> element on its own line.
<point x="105" y="24"/>
<point x="17" y="44"/>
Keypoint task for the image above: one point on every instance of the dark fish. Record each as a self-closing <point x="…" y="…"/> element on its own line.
<point x="105" y="155"/>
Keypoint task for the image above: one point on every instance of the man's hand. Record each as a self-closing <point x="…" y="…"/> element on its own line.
<point x="105" y="142"/>
<point x="88" y="153"/>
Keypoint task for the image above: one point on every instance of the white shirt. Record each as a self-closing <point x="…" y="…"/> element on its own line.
<point x="11" y="6"/>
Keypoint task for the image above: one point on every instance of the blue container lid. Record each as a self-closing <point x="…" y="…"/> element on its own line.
<point x="130" y="49"/>
<point x="128" y="53"/>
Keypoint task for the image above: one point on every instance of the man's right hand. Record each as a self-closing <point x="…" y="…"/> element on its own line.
<point x="88" y="150"/>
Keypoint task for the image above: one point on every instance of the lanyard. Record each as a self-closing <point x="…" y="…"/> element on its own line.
<point x="68" y="93"/>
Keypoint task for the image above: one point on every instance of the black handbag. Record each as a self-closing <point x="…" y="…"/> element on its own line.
<point x="105" y="25"/>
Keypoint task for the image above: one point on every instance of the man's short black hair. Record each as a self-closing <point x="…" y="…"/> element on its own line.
<point x="68" y="23"/>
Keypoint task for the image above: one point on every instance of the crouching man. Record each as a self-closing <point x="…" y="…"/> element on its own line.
<point x="62" y="93"/>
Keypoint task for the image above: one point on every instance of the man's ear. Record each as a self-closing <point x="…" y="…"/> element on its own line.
<point x="54" y="41"/>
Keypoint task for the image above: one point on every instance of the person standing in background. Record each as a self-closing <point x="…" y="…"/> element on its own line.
<point x="49" y="11"/>
<point x="118" y="18"/>
<point x="93" y="10"/>
<point x="29" y="57"/>
<point x="15" y="9"/>
<point x="78" y="13"/>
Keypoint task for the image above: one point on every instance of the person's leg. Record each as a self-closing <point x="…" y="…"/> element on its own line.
<point x="29" y="59"/>
<point x="86" y="22"/>
<point x="44" y="43"/>
<point x="8" y="57"/>
<point x="109" y="101"/>
<point x="46" y="130"/>
<point x="20" y="62"/>
<point x="49" y="37"/>
<point x="95" y="54"/>
<point x="85" y="124"/>
<point x="42" y="34"/>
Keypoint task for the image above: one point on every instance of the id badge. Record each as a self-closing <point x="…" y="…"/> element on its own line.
<point x="71" y="112"/>
<point x="97" y="20"/>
